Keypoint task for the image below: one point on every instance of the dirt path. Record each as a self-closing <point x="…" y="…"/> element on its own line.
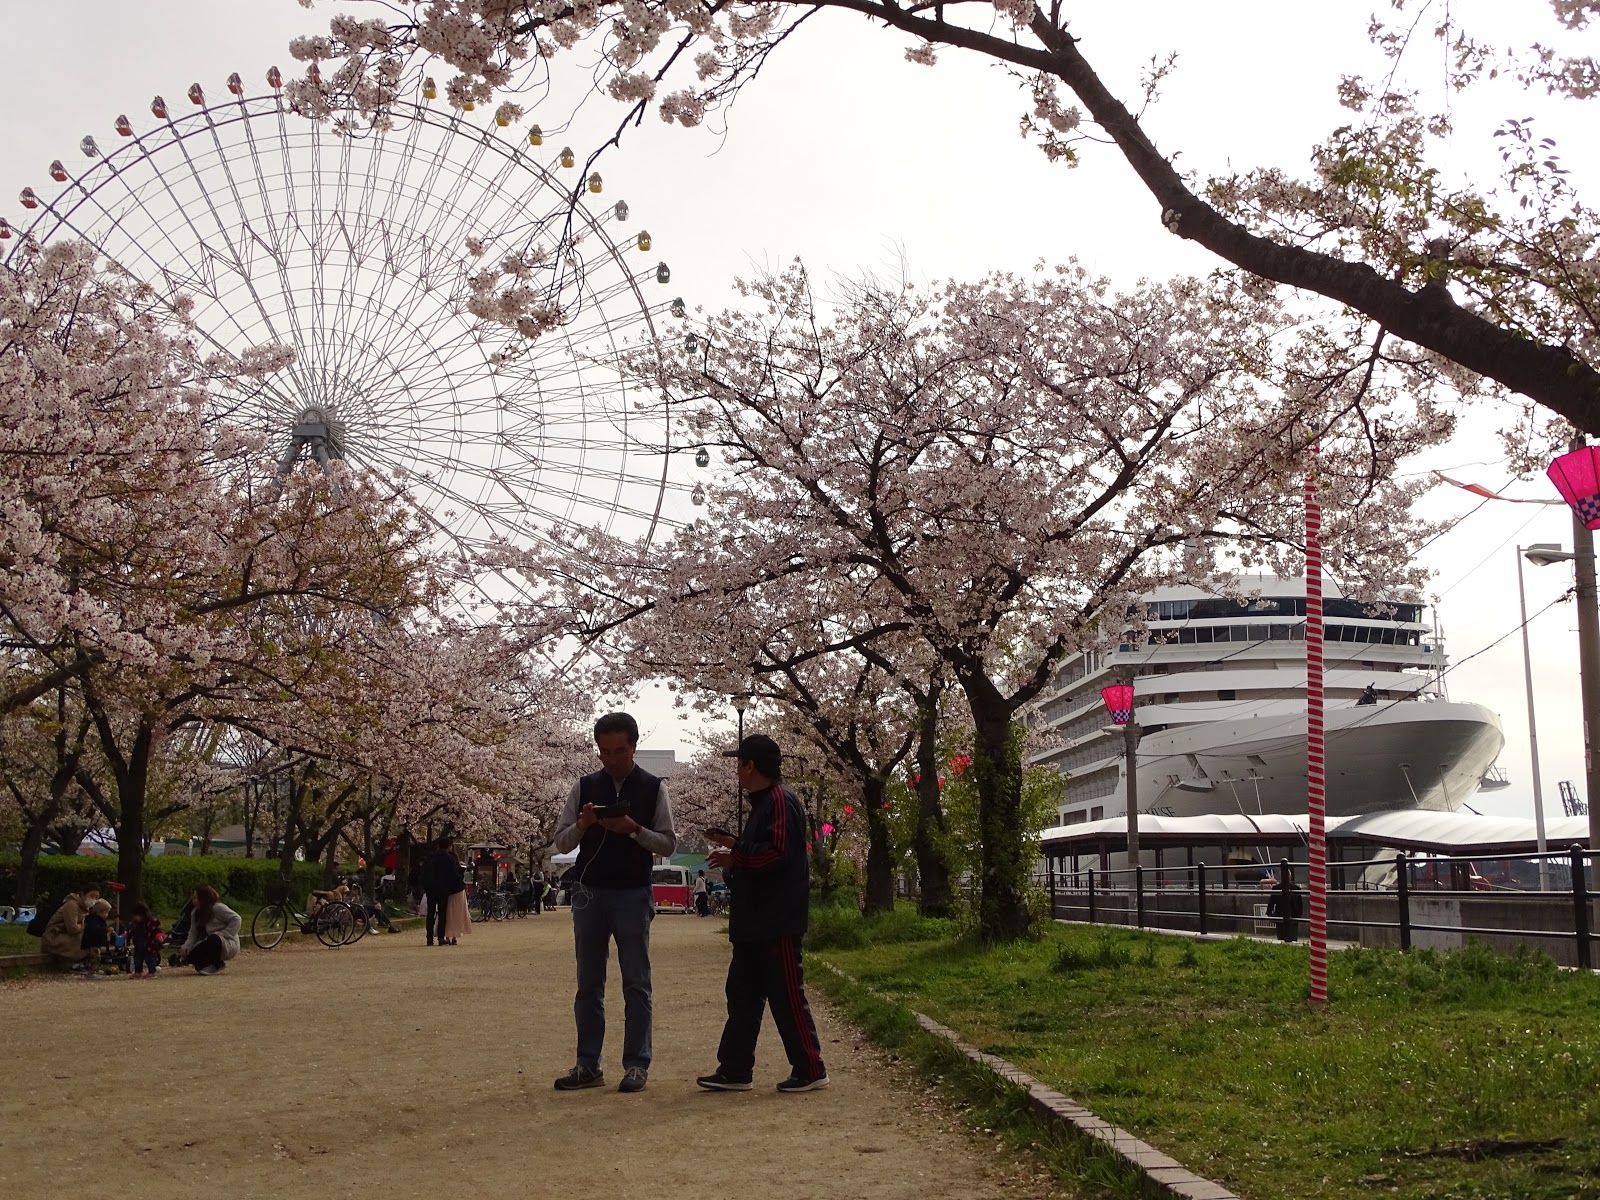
<point x="417" y="1072"/>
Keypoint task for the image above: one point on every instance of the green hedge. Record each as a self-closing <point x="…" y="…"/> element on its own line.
<point x="168" y="878"/>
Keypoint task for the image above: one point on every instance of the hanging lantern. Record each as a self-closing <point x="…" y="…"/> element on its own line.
<point x="644" y="239"/>
<point x="28" y="199"/>
<point x="1119" y="702"/>
<point x="196" y="96"/>
<point x="663" y="273"/>
<point x="274" y="77"/>
<point x="848" y="809"/>
<point x="698" y="496"/>
<point x="702" y="457"/>
<point x="535" y="136"/>
<point x="678" y="309"/>
<point x="58" y="172"/>
<point x="1577" y="477"/>
<point x="827" y="829"/>
<point x="90" y="147"/>
<point x="124" y="127"/>
<point x="568" y="159"/>
<point x="158" y="107"/>
<point x="594" y="183"/>
<point x="235" y="84"/>
<point x="621" y="210"/>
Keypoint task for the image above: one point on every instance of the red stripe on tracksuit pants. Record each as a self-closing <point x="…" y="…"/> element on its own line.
<point x="768" y="974"/>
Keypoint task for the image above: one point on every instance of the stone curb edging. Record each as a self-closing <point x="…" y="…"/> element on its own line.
<point x="1164" y="1176"/>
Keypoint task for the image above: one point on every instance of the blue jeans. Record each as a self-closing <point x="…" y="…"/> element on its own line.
<point x="598" y="916"/>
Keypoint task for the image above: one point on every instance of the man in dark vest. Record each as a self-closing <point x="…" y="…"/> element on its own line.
<point x="619" y="818"/>
<point x="769" y="879"/>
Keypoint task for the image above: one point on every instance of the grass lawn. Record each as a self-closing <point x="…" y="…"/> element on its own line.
<point x="1455" y="1076"/>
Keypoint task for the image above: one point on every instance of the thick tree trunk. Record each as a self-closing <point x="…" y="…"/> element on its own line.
<point x="934" y="895"/>
<point x="880" y="856"/>
<point x="28" y="863"/>
<point x="1003" y="911"/>
<point x="133" y="778"/>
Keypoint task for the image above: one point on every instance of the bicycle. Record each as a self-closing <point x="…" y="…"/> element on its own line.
<point x="492" y="906"/>
<point x="333" y="924"/>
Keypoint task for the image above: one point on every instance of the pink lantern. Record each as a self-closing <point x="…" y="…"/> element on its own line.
<point x="827" y="830"/>
<point x="1577" y="478"/>
<point x="1119" y="702"/>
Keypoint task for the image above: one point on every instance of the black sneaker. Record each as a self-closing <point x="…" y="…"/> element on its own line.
<point x="798" y="1083"/>
<point x="721" y="1083"/>
<point x="633" y="1080"/>
<point x="581" y="1077"/>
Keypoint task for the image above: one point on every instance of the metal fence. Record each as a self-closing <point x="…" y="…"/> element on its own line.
<point x="1431" y="901"/>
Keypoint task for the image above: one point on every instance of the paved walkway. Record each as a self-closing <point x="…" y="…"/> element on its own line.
<point x="390" y="1068"/>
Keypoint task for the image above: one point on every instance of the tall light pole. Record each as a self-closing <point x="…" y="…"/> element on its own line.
<point x="1533" y="729"/>
<point x="1582" y="561"/>
<point x="1576" y="475"/>
<point x="1118" y="700"/>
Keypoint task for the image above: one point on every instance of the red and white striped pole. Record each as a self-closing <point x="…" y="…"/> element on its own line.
<point x="1316" y="762"/>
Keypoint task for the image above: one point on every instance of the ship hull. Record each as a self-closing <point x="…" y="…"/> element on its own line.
<point x="1404" y="756"/>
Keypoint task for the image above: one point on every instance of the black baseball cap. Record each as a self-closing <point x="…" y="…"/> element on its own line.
<point x="761" y="752"/>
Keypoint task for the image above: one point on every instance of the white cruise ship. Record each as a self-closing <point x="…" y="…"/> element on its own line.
<point x="1219" y="684"/>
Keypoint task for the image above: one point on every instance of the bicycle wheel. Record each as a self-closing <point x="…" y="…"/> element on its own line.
<point x="269" y="926"/>
<point x="334" y="924"/>
<point x="361" y="927"/>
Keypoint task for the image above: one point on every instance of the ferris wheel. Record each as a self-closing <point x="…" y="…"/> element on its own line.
<point x="355" y="249"/>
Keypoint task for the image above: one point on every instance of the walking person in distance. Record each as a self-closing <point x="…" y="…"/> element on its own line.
<point x="619" y="817"/>
<point x="770" y="882"/>
<point x="440" y="874"/>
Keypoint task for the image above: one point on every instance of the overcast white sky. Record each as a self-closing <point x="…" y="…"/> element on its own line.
<point x="855" y="160"/>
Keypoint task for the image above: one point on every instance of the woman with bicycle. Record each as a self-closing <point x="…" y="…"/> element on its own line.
<point x="213" y="932"/>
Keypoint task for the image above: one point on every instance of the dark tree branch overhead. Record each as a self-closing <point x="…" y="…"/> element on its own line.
<point x="1426" y="316"/>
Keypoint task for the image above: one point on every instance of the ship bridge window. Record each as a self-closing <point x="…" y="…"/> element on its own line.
<point x="1283" y="606"/>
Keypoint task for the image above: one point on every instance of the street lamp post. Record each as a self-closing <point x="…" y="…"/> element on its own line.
<point x="1533" y="729"/>
<point x="1118" y="700"/>
<point x="1576" y="475"/>
<point x="1582" y="560"/>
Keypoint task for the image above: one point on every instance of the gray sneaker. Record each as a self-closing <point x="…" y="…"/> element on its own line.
<point x="633" y="1080"/>
<point x="581" y="1077"/>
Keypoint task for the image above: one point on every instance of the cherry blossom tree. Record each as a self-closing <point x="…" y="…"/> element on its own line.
<point x="1012" y="463"/>
<point x="43" y="749"/>
<point x="1496" y="277"/>
<point x="843" y="671"/>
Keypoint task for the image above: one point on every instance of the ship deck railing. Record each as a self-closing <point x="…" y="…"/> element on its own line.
<point x="1401" y="901"/>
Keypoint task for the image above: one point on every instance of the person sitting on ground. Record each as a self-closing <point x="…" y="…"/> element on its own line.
<point x="96" y="938"/>
<point x="144" y="940"/>
<point x="213" y="932"/>
<point x="63" y="935"/>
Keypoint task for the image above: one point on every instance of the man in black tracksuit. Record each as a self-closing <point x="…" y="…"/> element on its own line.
<point x="769" y="881"/>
